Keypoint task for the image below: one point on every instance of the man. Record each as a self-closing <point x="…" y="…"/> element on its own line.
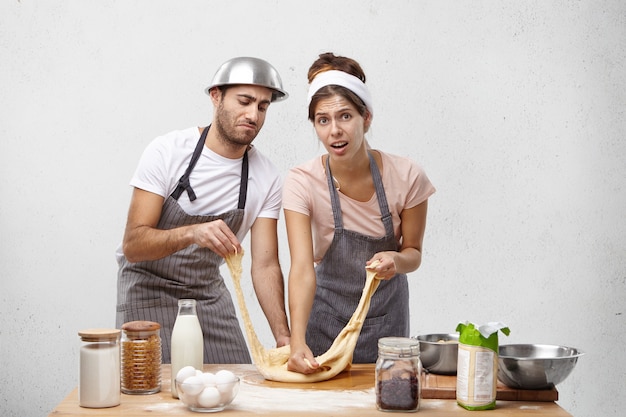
<point x="197" y="192"/>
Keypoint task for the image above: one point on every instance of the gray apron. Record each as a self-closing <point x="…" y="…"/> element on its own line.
<point x="340" y="280"/>
<point x="150" y="290"/>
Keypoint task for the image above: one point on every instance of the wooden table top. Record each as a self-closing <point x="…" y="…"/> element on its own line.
<point x="350" y="393"/>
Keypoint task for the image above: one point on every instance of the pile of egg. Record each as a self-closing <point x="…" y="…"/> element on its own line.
<point x="206" y="389"/>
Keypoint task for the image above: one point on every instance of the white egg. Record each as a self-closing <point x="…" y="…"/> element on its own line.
<point x="209" y="379"/>
<point x="185" y="372"/>
<point x="225" y="381"/>
<point x="209" y="397"/>
<point x="225" y="376"/>
<point x="198" y="372"/>
<point x="192" y="385"/>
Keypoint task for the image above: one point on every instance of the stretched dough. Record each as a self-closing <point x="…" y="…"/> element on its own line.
<point x="272" y="363"/>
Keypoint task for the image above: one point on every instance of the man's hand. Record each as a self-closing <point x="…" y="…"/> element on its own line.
<point x="217" y="236"/>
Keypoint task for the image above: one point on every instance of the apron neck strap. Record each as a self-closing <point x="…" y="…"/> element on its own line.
<point x="243" y="187"/>
<point x="380" y="194"/>
<point x="183" y="182"/>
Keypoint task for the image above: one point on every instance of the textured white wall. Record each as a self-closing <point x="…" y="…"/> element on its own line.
<point x="514" y="108"/>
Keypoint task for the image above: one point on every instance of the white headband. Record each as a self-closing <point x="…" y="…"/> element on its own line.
<point x="342" y="79"/>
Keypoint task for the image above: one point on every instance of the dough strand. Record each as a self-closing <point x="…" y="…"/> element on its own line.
<point x="272" y="363"/>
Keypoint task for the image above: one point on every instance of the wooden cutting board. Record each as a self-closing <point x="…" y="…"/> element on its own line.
<point x="361" y="377"/>
<point x="444" y="387"/>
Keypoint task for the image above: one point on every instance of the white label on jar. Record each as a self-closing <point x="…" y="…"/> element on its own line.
<point x="99" y="381"/>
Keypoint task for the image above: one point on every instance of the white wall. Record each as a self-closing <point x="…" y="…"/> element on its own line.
<point x="514" y="108"/>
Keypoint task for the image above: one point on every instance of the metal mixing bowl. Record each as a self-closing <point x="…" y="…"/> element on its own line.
<point x="248" y="70"/>
<point x="439" y="352"/>
<point x="532" y="366"/>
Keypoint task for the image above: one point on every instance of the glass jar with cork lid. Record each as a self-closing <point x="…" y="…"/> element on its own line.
<point x="141" y="357"/>
<point x="99" y="368"/>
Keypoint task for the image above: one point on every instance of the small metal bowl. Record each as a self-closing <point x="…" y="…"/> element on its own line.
<point x="533" y="366"/>
<point x="248" y="70"/>
<point x="439" y="352"/>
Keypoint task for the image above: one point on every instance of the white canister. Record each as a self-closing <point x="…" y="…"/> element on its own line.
<point x="99" y="375"/>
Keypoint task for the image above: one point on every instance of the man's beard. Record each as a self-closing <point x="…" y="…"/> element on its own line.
<point x="227" y="132"/>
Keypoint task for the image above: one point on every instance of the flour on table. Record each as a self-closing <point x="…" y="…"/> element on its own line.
<point x="272" y="363"/>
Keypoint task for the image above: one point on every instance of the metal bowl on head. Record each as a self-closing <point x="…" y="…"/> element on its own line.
<point x="439" y="352"/>
<point x="534" y="366"/>
<point x="248" y="70"/>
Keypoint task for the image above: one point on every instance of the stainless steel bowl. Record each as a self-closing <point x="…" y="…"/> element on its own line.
<point x="248" y="70"/>
<point x="439" y="352"/>
<point x="533" y="366"/>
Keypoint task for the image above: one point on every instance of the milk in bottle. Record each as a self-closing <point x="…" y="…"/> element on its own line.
<point x="187" y="344"/>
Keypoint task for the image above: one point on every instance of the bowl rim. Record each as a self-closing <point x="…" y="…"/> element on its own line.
<point x="578" y="352"/>
<point x="222" y="404"/>
<point x="236" y="380"/>
<point x="451" y="337"/>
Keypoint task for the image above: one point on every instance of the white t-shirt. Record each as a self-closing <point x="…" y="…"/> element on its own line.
<point x="306" y="191"/>
<point x="215" y="180"/>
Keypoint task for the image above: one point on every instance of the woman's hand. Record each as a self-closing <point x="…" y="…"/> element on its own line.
<point x="302" y="360"/>
<point x="384" y="264"/>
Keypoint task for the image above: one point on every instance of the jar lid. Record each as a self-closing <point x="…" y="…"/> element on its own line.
<point x="140" y="326"/>
<point x="401" y="346"/>
<point x="96" y="335"/>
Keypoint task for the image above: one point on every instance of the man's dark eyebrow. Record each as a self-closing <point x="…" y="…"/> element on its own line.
<point x="253" y="99"/>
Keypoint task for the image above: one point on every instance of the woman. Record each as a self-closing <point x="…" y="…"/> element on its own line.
<point x="343" y="211"/>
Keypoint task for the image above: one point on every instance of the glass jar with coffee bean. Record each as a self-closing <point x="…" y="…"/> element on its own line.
<point x="398" y="371"/>
<point x="141" y="357"/>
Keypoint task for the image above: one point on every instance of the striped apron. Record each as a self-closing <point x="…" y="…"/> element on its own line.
<point x="150" y="290"/>
<point x="340" y="280"/>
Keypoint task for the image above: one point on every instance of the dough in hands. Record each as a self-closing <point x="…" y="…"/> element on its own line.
<point x="272" y="363"/>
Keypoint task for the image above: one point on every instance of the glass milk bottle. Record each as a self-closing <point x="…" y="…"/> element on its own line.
<point x="99" y="375"/>
<point x="187" y="340"/>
